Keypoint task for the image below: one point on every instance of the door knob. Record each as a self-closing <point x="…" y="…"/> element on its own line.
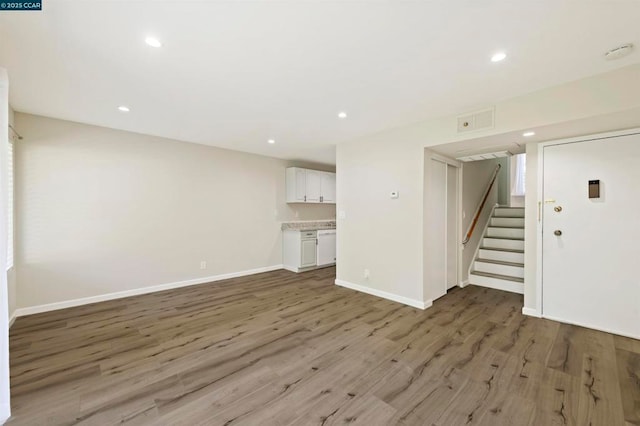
<point x="557" y="232"/>
<point x="558" y="209"/>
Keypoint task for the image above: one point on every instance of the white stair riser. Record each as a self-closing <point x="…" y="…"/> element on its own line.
<point x="499" y="243"/>
<point x="494" y="268"/>
<point x="508" y="221"/>
<point x="496" y="283"/>
<point x="498" y="212"/>
<point x="505" y="232"/>
<point x="504" y="256"/>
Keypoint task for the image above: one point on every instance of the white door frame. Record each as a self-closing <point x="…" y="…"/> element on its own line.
<point x="5" y="406"/>
<point x="458" y="165"/>
<point x="540" y="194"/>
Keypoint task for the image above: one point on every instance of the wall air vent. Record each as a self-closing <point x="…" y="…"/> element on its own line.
<point x="478" y="120"/>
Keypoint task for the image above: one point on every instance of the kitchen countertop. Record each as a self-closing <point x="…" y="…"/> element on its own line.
<point x="311" y="225"/>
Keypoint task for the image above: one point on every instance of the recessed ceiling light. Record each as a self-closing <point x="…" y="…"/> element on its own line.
<point x="123" y="108"/>
<point x="153" y="42"/>
<point x="527" y="134"/>
<point x="497" y="57"/>
<point x="342" y="114"/>
<point x="271" y="141"/>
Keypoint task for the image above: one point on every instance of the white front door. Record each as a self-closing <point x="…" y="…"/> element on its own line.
<point x="590" y="251"/>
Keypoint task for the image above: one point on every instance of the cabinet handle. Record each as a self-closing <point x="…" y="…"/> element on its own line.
<point x="305" y="198"/>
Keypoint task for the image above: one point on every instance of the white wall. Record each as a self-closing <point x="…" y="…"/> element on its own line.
<point x="374" y="223"/>
<point x="386" y="233"/>
<point x="5" y="408"/>
<point x="503" y="182"/>
<point x="101" y="211"/>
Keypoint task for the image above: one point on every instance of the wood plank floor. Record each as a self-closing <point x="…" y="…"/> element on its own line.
<point x="282" y="348"/>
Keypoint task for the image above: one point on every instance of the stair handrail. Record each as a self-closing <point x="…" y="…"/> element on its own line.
<point x="479" y="210"/>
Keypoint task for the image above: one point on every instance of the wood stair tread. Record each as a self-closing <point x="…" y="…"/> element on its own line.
<point x="506" y="227"/>
<point x="498" y="276"/>
<point x="500" y="262"/>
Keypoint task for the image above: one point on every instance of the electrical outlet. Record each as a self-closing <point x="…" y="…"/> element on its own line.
<point x="203" y="264"/>
<point x="366" y="274"/>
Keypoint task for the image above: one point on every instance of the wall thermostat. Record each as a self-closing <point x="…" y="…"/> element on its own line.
<point x="395" y="194"/>
<point x="594" y="188"/>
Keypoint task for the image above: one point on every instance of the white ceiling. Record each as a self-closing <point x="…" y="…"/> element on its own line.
<point x="236" y="73"/>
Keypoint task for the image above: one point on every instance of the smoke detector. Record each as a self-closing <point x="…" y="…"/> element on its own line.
<point x="619" y="52"/>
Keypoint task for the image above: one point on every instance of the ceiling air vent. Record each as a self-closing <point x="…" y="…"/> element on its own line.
<point x="478" y="120"/>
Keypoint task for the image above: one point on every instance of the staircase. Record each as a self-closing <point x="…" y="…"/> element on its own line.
<point x="500" y="260"/>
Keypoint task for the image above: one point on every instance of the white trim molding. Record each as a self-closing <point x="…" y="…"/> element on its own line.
<point x="138" y="291"/>
<point x="531" y="312"/>
<point x="385" y="295"/>
<point x="12" y="318"/>
<point x="504" y="285"/>
<point x="463" y="283"/>
<point x="5" y="413"/>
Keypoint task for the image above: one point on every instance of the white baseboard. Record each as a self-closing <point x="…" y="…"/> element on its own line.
<point x="138" y="291"/>
<point x="463" y="284"/>
<point x="531" y="312"/>
<point x="606" y="330"/>
<point x="503" y="285"/>
<point x="307" y="269"/>
<point x="12" y="318"/>
<point x="5" y="412"/>
<point x="385" y="295"/>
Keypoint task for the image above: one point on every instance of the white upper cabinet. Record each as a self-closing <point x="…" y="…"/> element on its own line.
<point x="313" y="186"/>
<point x="310" y="186"/>
<point x="298" y="176"/>
<point x="328" y="187"/>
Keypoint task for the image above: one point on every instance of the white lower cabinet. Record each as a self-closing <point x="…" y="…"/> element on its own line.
<point x="300" y="250"/>
<point x="308" y="249"/>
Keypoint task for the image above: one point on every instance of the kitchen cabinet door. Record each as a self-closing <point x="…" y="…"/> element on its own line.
<point x="313" y="185"/>
<point x="308" y="253"/>
<point x="296" y="182"/>
<point x="328" y="187"/>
